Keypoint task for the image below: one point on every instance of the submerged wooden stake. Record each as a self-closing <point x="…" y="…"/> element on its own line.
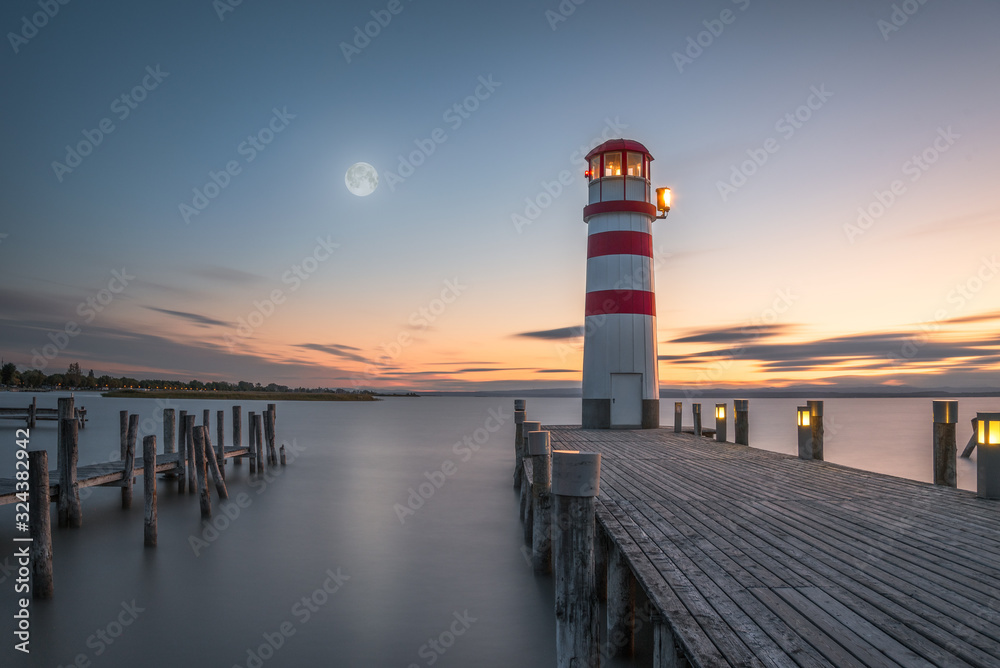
<point x="128" y="477"/>
<point x="149" y="490"/>
<point x="199" y="463"/>
<point x="220" y="424"/>
<point x="237" y="432"/>
<point x="70" y="513"/>
<point x="213" y="468"/>
<point x="192" y="462"/>
<point x="181" y="452"/>
<point x="252" y="440"/>
<point x="40" y="525"/>
<point x="282" y="454"/>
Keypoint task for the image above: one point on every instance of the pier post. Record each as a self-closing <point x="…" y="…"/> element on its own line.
<point x="212" y="464"/>
<point x="524" y="503"/>
<point x="41" y="525"/>
<point x="269" y="420"/>
<point x="971" y="445"/>
<point x="189" y="430"/>
<point x="32" y="412"/>
<point x="169" y="430"/>
<point x="519" y="417"/>
<point x="945" y="419"/>
<point x="199" y="463"/>
<point x="664" y="645"/>
<point x="540" y="449"/>
<point x="988" y="457"/>
<point x="816" y="426"/>
<point x="678" y="414"/>
<point x="742" y="408"/>
<point x="696" y="414"/>
<point x="282" y="449"/>
<point x="259" y="440"/>
<point x="149" y="491"/>
<point x="720" y="423"/>
<point x="128" y="475"/>
<point x="575" y="486"/>
<point x="804" y="432"/>
<point x="181" y="451"/>
<point x="237" y="432"/>
<point x="621" y="604"/>
<point x="252" y="439"/>
<point x="220" y="425"/>
<point x="69" y="489"/>
<point x="123" y="433"/>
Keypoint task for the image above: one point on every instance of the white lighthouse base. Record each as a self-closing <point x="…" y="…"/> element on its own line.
<point x="597" y="415"/>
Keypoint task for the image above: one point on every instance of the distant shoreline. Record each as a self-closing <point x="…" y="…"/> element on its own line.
<point x="230" y="396"/>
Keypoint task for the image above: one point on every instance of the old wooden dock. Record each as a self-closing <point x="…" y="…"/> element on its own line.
<point x="753" y="558"/>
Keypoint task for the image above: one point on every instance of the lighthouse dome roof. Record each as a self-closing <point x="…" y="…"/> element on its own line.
<point x="619" y="145"/>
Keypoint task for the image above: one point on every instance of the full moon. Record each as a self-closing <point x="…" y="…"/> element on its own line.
<point x="361" y="179"/>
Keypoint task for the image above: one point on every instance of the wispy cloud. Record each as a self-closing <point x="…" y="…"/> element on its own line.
<point x="335" y="349"/>
<point x="203" y="320"/>
<point x="226" y="275"/>
<point x="734" y="334"/>
<point x="554" y="334"/>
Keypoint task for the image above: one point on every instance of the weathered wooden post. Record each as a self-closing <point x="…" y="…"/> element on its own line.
<point x="520" y="405"/>
<point x="620" y="605"/>
<point x="237" y="432"/>
<point x="945" y="419"/>
<point x="128" y="474"/>
<point x="212" y="464"/>
<point x="70" y="513"/>
<point x="804" y="432"/>
<point x="988" y="457"/>
<point x="181" y="451"/>
<point x="575" y="485"/>
<point x="720" y="423"/>
<point x="519" y="418"/>
<point x="33" y="412"/>
<point x="258" y="422"/>
<point x="540" y="450"/>
<point x="664" y="644"/>
<point x="149" y="490"/>
<point x="269" y="418"/>
<point x="123" y="433"/>
<point x="189" y="430"/>
<point x="252" y="439"/>
<point x="41" y="526"/>
<point x="282" y="454"/>
<point x="169" y="431"/>
<point x="678" y="415"/>
<point x="220" y="424"/>
<point x="742" y="408"/>
<point x="199" y="463"/>
<point x="524" y="502"/>
<point x="816" y="425"/>
<point x="971" y="445"/>
<point x="696" y="414"/>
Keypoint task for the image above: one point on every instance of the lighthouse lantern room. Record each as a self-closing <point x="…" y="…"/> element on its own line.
<point x="620" y="378"/>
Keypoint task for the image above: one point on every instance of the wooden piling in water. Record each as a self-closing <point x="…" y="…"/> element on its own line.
<point x="282" y="454"/>
<point x="33" y="413"/>
<point x="620" y="604"/>
<point x="971" y="445"/>
<point x="123" y="433"/>
<point x="192" y="462"/>
<point x="220" y="425"/>
<point x="252" y="439"/>
<point x="69" y="489"/>
<point x="742" y="421"/>
<point x="816" y="428"/>
<point x="258" y="428"/>
<point x="199" y="463"/>
<point x="149" y="491"/>
<point x="128" y="476"/>
<point x="519" y="418"/>
<point x="42" y="585"/>
<point x="696" y="415"/>
<point x="575" y="486"/>
<point x="678" y="414"/>
<point x="213" y="468"/>
<point x="182" y="452"/>
<point x="540" y="450"/>
<point x="524" y="500"/>
<point x="237" y="432"/>
<point x="169" y="429"/>
<point x="944" y="447"/>
<point x="269" y="418"/>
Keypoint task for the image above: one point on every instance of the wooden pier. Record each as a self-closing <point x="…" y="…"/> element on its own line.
<point x="753" y="558"/>
<point x="33" y="414"/>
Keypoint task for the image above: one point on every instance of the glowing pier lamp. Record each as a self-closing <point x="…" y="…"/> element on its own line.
<point x="720" y="423"/>
<point x="988" y="457"/>
<point x="805" y="432"/>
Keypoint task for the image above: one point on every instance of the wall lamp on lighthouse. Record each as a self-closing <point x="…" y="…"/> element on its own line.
<point x="663" y="202"/>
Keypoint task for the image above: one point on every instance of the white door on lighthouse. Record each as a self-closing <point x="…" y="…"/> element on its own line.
<point x="626" y="400"/>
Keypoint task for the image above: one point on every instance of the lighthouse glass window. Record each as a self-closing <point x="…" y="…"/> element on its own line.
<point x="634" y="164"/>
<point x="595" y="167"/>
<point x="612" y="164"/>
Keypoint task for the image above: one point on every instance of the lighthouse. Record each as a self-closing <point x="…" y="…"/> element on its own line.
<point x="620" y="377"/>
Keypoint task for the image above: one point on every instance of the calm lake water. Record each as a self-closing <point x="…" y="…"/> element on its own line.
<point x="318" y="568"/>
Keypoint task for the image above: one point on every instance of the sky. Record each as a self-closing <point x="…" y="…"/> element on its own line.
<point x="173" y="202"/>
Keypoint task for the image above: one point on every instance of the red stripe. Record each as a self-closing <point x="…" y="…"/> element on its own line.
<point x="639" y="302"/>
<point x="614" y="206"/>
<point x="620" y="242"/>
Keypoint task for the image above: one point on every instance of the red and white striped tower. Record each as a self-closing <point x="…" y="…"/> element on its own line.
<point x="620" y="377"/>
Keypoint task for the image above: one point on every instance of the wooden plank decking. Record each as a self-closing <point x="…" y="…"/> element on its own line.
<point x="762" y="559"/>
<point x="108" y="473"/>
